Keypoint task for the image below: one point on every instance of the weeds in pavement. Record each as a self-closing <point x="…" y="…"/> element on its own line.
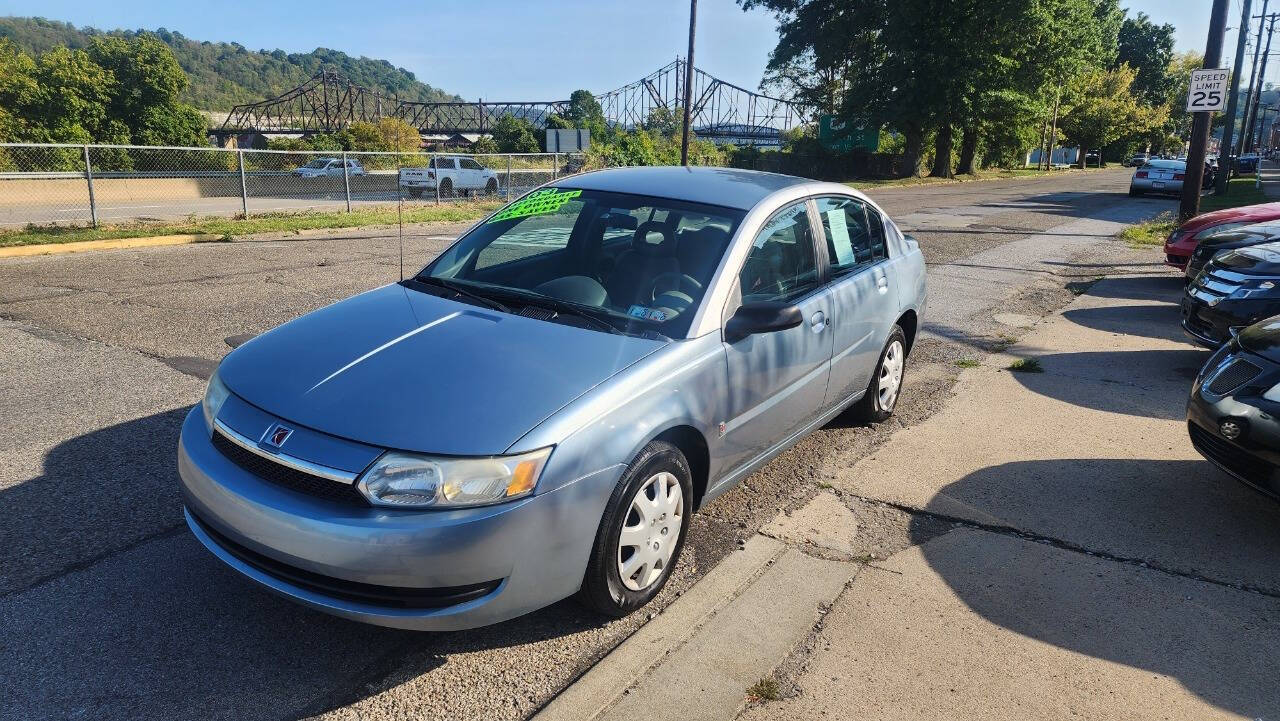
<point x="1002" y="343"/>
<point x="967" y="363"/>
<point x="1080" y="287"/>
<point x="766" y="689"/>
<point x="1026" y="365"/>
<point x="257" y="223"/>
<point x="1152" y="232"/>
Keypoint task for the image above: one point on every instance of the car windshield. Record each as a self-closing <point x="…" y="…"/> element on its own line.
<point x="317" y="164"/>
<point x="638" y="263"/>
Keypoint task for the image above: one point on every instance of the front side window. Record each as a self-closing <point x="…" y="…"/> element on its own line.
<point x="781" y="265"/>
<point x="635" y="262"/>
<point x="469" y="164"/>
<point x="445" y="163"/>
<point x="852" y="238"/>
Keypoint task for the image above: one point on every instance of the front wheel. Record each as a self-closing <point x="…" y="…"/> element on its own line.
<point x="881" y="398"/>
<point x="491" y="187"/>
<point x="642" y="532"/>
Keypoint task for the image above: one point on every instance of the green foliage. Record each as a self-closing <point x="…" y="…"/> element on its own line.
<point x="484" y="144"/>
<point x="514" y="135"/>
<point x="122" y="91"/>
<point x="1148" y="49"/>
<point x="224" y="74"/>
<point x="1103" y="108"/>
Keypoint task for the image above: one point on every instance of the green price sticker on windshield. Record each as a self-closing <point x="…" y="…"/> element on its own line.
<point x="539" y="202"/>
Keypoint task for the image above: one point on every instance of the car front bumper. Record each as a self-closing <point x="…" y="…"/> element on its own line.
<point x="1253" y="456"/>
<point x="437" y="570"/>
<point x="1210" y="325"/>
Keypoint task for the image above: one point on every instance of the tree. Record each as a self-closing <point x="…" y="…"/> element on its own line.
<point x="1148" y="49"/>
<point x="145" y="94"/>
<point x="584" y="112"/>
<point x="514" y="135"/>
<point x="399" y="136"/>
<point x="361" y="136"/>
<point x="1103" y="109"/>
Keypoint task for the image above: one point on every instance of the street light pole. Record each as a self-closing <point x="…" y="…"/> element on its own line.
<point x="688" y="85"/>
<point x="1194" y="174"/>
<point x="1228" y="131"/>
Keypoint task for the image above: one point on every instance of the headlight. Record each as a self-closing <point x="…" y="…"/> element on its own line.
<point x="1273" y="393"/>
<point x="214" y="396"/>
<point x="409" y="480"/>
<point x="1215" y="229"/>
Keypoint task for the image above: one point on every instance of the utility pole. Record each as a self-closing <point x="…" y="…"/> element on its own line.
<point x="688" y="86"/>
<point x="1228" y="130"/>
<point x="1200" y="128"/>
<point x="1253" y="74"/>
<point x="1262" y="74"/>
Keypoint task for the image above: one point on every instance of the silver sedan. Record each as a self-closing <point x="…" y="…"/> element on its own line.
<point x="1158" y="176"/>
<point x="537" y="413"/>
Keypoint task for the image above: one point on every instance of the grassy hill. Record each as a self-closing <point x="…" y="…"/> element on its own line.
<point x="224" y="74"/>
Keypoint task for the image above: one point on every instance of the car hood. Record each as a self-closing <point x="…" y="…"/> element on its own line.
<point x="402" y="369"/>
<point x="1249" y="213"/>
<point x="1262" y="338"/>
<point x="1263" y="260"/>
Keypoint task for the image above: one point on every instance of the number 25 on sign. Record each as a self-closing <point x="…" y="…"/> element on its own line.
<point x="1208" y="91"/>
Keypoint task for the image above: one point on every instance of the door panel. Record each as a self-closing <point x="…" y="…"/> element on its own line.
<point x="778" y="381"/>
<point x="863" y="303"/>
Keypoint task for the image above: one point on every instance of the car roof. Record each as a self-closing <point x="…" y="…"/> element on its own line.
<point x="727" y="187"/>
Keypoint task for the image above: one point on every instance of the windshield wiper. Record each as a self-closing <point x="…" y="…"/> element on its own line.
<point x="564" y="307"/>
<point x="461" y="291"/>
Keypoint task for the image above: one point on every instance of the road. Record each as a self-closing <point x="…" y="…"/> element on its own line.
<point x="114" y="611"/>
<point x="127" y="199"/>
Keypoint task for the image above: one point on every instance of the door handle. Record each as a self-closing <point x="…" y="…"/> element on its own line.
<point x="817" y="322"/>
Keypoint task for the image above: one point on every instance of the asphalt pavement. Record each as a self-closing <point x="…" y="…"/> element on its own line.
<point x="114" y="611"/>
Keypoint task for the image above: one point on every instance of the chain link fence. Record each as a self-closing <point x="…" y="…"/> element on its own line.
<point x="51" y="184"/>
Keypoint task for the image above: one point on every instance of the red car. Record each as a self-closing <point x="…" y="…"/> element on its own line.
<point x="1181" y="243"/>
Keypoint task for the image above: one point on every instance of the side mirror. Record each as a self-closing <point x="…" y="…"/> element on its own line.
<point x="761" y="317"/>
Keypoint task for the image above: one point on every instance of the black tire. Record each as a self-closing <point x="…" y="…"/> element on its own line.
<point x="871" y="408"/>
<point x="603" y="589"/>
<point x="446" y="188"/>
<point x="1135" y="193"/>
<point x="491" y="187"/>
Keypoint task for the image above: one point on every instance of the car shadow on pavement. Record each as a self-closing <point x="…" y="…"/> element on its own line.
<point x="1149" y="321"/>
<point x="113" y="610"/>
<point x="1163" y="543"/>
<point x="1096" y="377"/>
<point x="1164" y="287"/>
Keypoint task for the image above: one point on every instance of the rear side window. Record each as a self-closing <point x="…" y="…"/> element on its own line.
<point x="853" y="238"/>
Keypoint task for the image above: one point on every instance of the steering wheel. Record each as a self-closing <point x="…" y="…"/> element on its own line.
<point x="672" y="280"/>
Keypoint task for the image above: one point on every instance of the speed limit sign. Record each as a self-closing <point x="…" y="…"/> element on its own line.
<point x="1208" y="91"/>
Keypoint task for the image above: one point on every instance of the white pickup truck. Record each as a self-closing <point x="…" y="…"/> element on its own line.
<point x="455" y="173"/>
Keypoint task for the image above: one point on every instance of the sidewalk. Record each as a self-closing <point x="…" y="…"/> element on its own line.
<point x="1095" y="566"/>
<point x="1061" y="551"/>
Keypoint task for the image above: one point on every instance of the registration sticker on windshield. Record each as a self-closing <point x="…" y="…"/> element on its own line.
<point x="639" y="311"/>
<point x="539" y="202"/>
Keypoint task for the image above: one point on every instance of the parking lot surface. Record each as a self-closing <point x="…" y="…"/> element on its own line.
<point x="114" y="611"/>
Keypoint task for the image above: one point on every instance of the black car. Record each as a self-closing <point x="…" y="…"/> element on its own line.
<point x="1246" y="164"/>
<point x="1237" y="237"/>
<point x="1234" y="406"/>
<point x="1237" y="288"/>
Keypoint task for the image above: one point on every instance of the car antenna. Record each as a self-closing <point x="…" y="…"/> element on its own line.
<point x="400" y="223"/>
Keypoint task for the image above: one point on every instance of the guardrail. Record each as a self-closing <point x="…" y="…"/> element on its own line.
<point x="48" y="183"/>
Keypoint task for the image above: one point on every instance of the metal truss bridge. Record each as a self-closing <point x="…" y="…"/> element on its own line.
<point x="329" y="102"/>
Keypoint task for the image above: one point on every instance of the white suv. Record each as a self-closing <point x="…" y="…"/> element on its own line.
<point x="321" y="167"/>
<point x="455" y="173"/>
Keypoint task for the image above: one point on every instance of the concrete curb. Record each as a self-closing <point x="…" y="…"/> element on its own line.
<point x="21" y="251"/>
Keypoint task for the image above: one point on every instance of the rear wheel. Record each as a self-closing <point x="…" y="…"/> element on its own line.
<point x="1135" y="193"/>
<point x="642" y="532"/>
<point x="446" y="188"/>
<point x="881" y="398"/>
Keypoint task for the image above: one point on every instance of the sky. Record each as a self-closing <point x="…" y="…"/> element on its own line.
<point x="507" y="49"/>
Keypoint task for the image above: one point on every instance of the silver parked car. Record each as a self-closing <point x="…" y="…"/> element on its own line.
<point x="1158" y="176"/>
<point x="537" y="413"/>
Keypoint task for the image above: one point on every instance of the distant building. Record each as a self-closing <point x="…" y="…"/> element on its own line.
<point x="1061" y="156"/>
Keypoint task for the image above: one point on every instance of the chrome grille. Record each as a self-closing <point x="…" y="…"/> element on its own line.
<point x="1215" y="283"/>
<point x="1230" y="376"/>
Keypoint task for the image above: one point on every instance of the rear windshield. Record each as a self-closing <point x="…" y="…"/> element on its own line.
<point x="1167" y="165"/>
